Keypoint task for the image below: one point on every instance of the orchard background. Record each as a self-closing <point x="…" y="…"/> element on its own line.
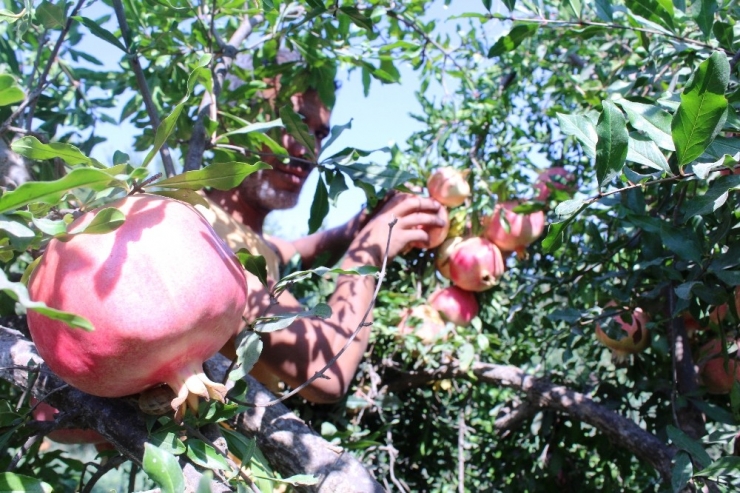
<point x="636" y="99"/>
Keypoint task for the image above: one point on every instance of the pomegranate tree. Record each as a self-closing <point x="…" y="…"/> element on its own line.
<point x="476" y="264"/>
<point x="455" y="305"/>
<point x="449" y="186"/>
<point x="636" y="338"/>
<point x="423" y="321"/>
<point x="718" y="373"/>
<point x="163" y="292"/>
<point x="556" y="177"/>
<point x="520" y="230"/>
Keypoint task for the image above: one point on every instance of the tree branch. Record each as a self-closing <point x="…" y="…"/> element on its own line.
<point x="542" y="394"/>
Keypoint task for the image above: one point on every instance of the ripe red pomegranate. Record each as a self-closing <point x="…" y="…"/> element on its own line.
<point x="442" y="255"/>
<point x="476" y="264"/>
<point x="436" y="235"/>
<point x="524" y="229"/>
<point x="556" y="177"/>
<point x="455" y="305"/>
<point x="449" y="186"/>
<point x="422" y="321"/>
<point x="637" y="336"/>
<point x="163" y="292"/>
<point x="45" y="412"/>
<point x="716" y="374"/>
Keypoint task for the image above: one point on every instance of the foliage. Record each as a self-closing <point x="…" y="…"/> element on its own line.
<point x="637" y="99"/>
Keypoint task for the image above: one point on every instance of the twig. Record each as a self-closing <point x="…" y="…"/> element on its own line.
<point x="151" y="109"/>
<point x="360" y="326"/>
<point x="21" y="451"/>
<point x="102" y="470"/>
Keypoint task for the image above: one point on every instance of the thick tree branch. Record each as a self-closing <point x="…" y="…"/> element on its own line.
<point x="543" y="394"/>
<point x="288" y="443"/>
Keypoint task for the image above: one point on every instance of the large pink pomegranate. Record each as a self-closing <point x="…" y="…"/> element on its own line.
<point x="717" y="374"/>
<point x="523" y="229"/>
<point x="422" y="321"/>
<point x="636" y="337"/>
<point x="163" y="292"/>
<point x="449" y="186"/>
<point x="476" y="264"/>
<point x="455" y="305"/>
<point x="554" y="178"/>
<point x="442" y="255"/>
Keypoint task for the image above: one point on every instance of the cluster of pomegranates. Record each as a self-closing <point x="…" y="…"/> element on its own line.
<point x="474" y="263"/>
<point x="163" y="293"/>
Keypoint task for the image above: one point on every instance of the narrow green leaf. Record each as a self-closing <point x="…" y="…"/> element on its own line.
<point x="164" y="469"/>
<point x="686" y="443"/>
<point x="105" y="220"/>
<point x="221" y="176"/>
<point x="239" y="445"/>
<point x="466" y="356"/>
<point x="298" y="129"/>
<point x="513" y="39"/>
<point x="10" y="91"/>
<point x="190" y="196"/>
<point x="604" y="10"/>
<point x="10" y="481"/>
<point x="657" y="11"/>
<point x="612" y="145"/>
<point x="704" y="15"/>
<point x="566" y="209"/>
<point x="319" y="206"/>
<point x="576" y="6"/>
<point x="50" y="192"/>
<point x="357" y="17"/>
<point x="101" y="33"/>
<point x="642" y="150"/>
<point x="682" y="471"/>
<point x="301" y="480"/>
<point x="168" y="441"/>
<point x="32" y="148"/>
<point x="580" y="127"/>
<point x="15" y="228"/>
<point x="205" y="455"/>
<point x="254" y="127"/>
<point x="651" y="120"/>
<point x="703" y="109"/>
<point x="724" y="466"/>
<point x="510" y="4"/>
<point x="254" y="264"/>
<point x="10" y="17"/>
<point x="682" y="242"/>
<point x="248" y="350"/>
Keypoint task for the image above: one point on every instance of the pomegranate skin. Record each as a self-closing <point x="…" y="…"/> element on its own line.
<point x="442" y="255"/>
<point x="524" y="229"/>
<point x="423" y="321"/>
<point x="455" y="305"/>
<point x="449" y="186"/>
<point x="636" y="339"/>
<point x="719" y="313"/>
<point x="476" y="264"/>
<point x="556" y="177"/>
<point x="163" y="292"/>
<point x="714" y="376"/>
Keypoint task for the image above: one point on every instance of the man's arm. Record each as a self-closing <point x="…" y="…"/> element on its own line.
<point x="295" y="354"/>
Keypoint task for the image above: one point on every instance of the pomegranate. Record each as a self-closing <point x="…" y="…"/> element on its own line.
<point x="637" y="336"/>
<point x="436" y="235"/>
<point x="556" y="177"/>
<point x="449" y="186"/>
<point x="523" y="229"/>
<point x="476" y="264"/>
<point x="455" y="305"/>
<point x="442" y="255"/>
<point x="163" y="292"/>
<point x="44" y="412"/>
<point x="423" y="321"/>
<point x="717" y="374"/>
<point x="719" y="313"/>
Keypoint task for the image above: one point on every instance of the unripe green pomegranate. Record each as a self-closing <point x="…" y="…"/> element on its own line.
<point x="163" y="292"/>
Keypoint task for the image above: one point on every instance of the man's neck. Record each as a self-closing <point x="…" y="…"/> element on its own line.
<point x="245" y="213"/>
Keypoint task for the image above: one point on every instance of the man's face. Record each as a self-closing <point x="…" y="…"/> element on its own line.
<point x="280" y="187"/>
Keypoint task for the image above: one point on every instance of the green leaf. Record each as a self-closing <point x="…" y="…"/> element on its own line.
<point x="513" y="39"/>
<point x="10" y="481"/>
<point x="357" y="17"/>
<point x="221" y="176"/>
<point x="300" y="480"/>
<point x="466" y="356"/>
<point x="682" y="242"/>
<point x="239" y="445"/>
<point x="298" y="129"/>
<point x="164" y="469"/>
<point x="10" y="17"/>
<point x="49" y="15"/>
<point x="703" y="109"/>
<point x="105" y="220"/>
<point x="510" y="4"/>
<point x="101" y="33"/>
<point x="724" y="466"/>
<point x="10" y="91"/>
<point x="612" y="144"/>
<point x="642" y="150"/>
<point x="167" y="441"/>
<point x="580" y="127"/>
<point x="651" y="120"/>
<point x="682" y="471"/>
<point x="32" y="148"/>
<point x="51" y="192"/>
<point x="576" y="6"/>
<point x="604" y="10"/>
<point x="184" y="195"/>
<point x="254" y="264"/>
<point x="704" y="15"/>
<point x="15" y="228"/>
<point x="686" y="443"/>
<point x="282" y="321"/>
<point x="658" y="11"/>
<point x="319" y="206"/>
<point x="566" y="209"/>
<point x="205" y="455"/>
<point x="377" y="176"/>
<point x="248" y="350"/>
<point x="713" y="198"/>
